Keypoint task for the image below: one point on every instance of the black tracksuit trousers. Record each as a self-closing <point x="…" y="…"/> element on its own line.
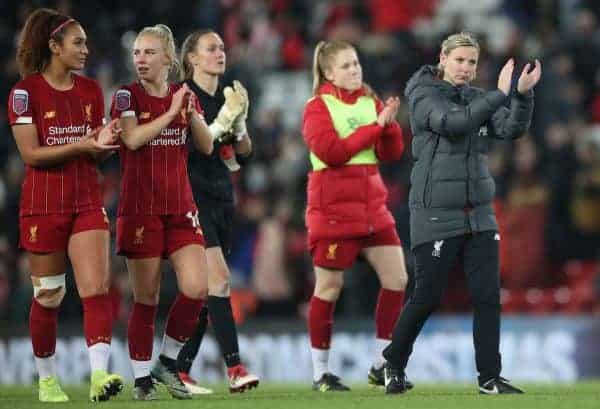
<point x="433" y="262"/>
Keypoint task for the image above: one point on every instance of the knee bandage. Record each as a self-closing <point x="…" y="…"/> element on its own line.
<point x="49" y="291"/>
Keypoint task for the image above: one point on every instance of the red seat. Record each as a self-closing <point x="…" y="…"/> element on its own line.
<point x="540" y="301"/>
<point x="580" y="271"/>
<point x="513" y="301"/>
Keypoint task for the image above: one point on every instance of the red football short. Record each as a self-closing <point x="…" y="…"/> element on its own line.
<point x="50" y="233"/>
<point x="341" y="254"/>
<point x="157" y="236"/>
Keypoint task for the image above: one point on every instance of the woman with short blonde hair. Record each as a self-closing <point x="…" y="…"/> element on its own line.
<point x="452" y="219"/>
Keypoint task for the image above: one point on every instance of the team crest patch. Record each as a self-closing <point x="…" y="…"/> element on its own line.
<point x="20" y="101"/>
<point x="33" y="233"/>
<point x="331" y="250"/>
<point x="88" y="112"/>
<point x="123" y="99"/>
<point x="139" y="235"/>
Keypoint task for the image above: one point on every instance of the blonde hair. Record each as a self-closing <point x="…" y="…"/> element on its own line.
<point x="189" y="45"/>
<point x="165" y="35"/>
<point x="325" y="51"/>
<point x="462" y="39"/>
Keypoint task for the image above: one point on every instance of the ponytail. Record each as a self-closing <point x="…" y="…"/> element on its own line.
<point x="318" y="76"/>
<point x="165" y="35"/>
<point x="325" y="51"/>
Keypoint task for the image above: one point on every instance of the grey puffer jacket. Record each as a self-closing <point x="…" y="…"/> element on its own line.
<point x="453" y="130"/>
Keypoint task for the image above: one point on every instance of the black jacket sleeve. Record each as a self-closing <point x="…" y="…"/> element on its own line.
<point x="432" y="110"/>
<point x="512" y="123"/>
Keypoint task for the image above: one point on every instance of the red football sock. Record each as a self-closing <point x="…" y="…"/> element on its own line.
<point x="42" y="327"/>
<point x="183" y="317"/>
<point x="140" y="332"/>
<point x="389" y="305"/>
<point x="97" y="319"/>
<point x="320" y="322"/>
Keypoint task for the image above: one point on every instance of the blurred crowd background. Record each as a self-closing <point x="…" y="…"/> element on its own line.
<point x="548" y="196"/>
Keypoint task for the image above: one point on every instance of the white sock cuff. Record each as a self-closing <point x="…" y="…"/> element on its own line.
<point x="380" y="345"/>
<point x="216" y="130"/>
<point x="141" y="368"/>
<point x="320" y="361"/>
<point x="171" y="347"/>
<point x="46" y="366"/>
<point x="99" y="354"/>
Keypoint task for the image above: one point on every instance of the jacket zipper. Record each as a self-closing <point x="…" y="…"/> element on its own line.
<point x="468" y="201"/>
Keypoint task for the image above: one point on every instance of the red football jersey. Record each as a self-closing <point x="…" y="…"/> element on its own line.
<point x="154" y="178"/>
<point x="60" y="117"/>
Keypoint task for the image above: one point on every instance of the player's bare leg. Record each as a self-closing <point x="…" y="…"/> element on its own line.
<point x="89" y="254"/>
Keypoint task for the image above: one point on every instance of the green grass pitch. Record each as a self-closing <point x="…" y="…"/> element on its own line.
<point x="577" y="396"/>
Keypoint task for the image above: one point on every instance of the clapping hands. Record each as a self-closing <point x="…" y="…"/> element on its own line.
<point x="180" y="99"/>
<point x="527" y="80"/>
<point x="101" y="139"/>
<point x="109" y="134"/>
<point x="389" y="112"/>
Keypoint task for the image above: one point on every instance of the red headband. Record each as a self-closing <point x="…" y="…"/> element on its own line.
<point x="60" y="26"/>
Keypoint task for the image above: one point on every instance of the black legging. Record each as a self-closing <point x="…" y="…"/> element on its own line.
<point x="433" y="262"/>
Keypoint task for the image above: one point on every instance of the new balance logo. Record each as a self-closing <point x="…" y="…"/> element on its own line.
<point x="437" y="248"/>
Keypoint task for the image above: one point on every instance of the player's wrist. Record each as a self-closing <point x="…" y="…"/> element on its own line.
<point x="216" y="130"/>
<point x="196" y="116"/>
<point x="240" y="130"/>
<point x="171" y="114"/>
<point x="81" y="146"/>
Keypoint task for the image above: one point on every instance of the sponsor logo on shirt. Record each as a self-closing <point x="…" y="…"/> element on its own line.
<point x="170" y="137"/>
<point x="62" y="135"/>
<point x="49" y="114"/>
<point x="331" y="249"/>
<point x="20" y="101"/>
